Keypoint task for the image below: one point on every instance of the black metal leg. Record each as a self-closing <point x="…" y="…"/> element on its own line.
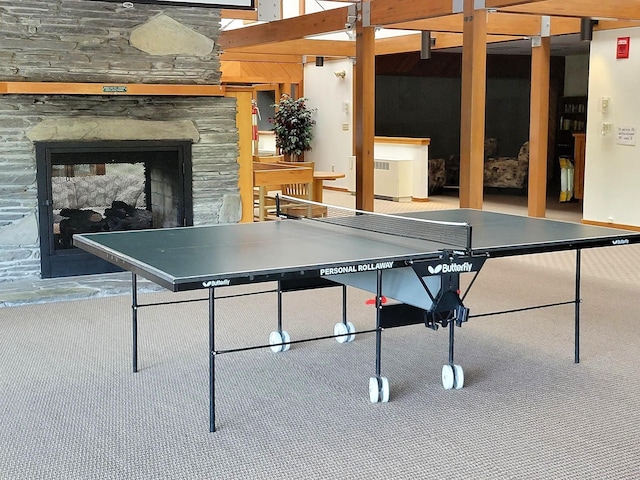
<point x="279" y="308"/>
<point x="344" y="304"/>
<point x="451" y="337"/>
<point x="577" y="309"/>
<point x="212" y="364"/>
<point x="378" y="321"/>
<point x="134" y="319"/>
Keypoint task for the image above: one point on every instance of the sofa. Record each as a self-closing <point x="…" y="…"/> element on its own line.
<point x="504" y="172"/>
<point x="507" y="172"/>
<point x="437" y="175"/>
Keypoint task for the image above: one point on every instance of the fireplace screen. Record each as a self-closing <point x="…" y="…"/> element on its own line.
<point x="123" y="188"/>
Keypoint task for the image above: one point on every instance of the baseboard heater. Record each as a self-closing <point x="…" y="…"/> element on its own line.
<point x="393" y="179"/>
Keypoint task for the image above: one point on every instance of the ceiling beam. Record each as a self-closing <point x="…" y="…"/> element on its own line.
<point x="384" y="12"/>
<point x="620" y="9"/>
<point x="515" y="18"/>
<point x="497" y="24"/>
<point x="505" y="3"/>
<point x="288" y="29"/>
<point x="326" y="48"/>
<point x="232" y="14"/>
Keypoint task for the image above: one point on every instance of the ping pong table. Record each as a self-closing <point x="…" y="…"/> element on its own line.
<point x="415" y="259"/>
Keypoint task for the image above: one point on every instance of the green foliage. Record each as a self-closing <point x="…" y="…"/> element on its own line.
<point x="293" y="126"/>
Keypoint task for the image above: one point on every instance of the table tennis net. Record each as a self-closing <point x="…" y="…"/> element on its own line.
<point x="453" y="234"/>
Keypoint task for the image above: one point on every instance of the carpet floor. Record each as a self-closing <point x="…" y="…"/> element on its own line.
<point x="71" y="408"/>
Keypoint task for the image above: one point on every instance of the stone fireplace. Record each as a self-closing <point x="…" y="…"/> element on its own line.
<point x="75" y="42"/>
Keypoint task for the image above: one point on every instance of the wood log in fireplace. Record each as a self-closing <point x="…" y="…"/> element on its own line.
<point x="120" y="216"/>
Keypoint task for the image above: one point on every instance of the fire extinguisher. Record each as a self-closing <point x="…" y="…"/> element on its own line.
<point x="254" y="120"/>
<point x="255" y="114"/>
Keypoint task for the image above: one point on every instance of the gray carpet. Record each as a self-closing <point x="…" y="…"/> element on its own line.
<point x="71" y="408"/>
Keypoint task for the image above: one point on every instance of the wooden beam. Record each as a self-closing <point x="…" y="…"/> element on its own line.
<point x="261" y="72"/>
<point x="384" y="12"/>
<point x="364" y="110"/>
<point x="301" y="47"/>
<point x="539" y="129"/>
<point x="245" y="154"/>
<point x="620" y="9"/>
<point x="62" y="88"/>
<point x="505" y="3"/>
<point x="473" y="105"/>
<point x="288" y="29"/>
<point x="497" y="24"/>
<point x="241" y="56"/>
<point x="233" y="14"/>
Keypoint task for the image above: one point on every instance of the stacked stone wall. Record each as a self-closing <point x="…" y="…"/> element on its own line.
<point x="79" y="41"/>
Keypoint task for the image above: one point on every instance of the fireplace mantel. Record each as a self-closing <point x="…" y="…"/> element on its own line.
<point x="60" y="88"/>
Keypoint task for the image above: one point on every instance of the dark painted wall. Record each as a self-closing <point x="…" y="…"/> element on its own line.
<point x="417" y="98"/>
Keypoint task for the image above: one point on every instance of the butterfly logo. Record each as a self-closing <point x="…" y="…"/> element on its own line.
<point x="434" y="270"/>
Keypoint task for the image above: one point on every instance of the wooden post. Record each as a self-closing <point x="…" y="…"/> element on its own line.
<point x="539" y="130"/>
<point x="245" y="170"/>
<point x="364" y="109"/>
<point x="472" y="125"/>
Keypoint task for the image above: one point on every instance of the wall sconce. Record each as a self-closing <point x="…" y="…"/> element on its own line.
<point x="342" y="74"/>
<point x="319" y="61"/>
<point x="426" y="42"/>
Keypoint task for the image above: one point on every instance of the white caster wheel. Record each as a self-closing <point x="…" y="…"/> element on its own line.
<point x="452" y="377"/>
<point x="341" y="331"/>
<point x="352" y="332"/>
<point x="279" y="341"/>
<point x="458" y="377"/>
<point x="378" y="389"/>
<point x="345" y="332"/>
<point x="447" y="377"/>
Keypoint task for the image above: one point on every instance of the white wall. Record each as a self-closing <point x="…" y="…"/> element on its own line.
<point x="333" y="98"/>
<point x="612" y="170"/>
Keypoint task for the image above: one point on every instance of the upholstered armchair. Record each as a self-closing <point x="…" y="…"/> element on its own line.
<point x="506" y="172"/>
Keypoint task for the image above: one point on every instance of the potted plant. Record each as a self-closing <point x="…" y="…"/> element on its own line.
<point x="293" y="126"/>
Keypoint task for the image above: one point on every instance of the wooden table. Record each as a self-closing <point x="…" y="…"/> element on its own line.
<point x="318" y="178"/>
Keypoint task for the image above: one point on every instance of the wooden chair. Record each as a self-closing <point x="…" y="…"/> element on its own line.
<point x="266" y="175"/>
<point x="303" y="191"/>
<point x="298" y="190"/>
<point x="270" y="190"/>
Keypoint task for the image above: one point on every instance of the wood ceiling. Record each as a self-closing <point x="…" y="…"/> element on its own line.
<point x="507" y="21"/>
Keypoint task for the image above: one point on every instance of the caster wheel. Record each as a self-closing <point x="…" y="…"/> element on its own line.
<point x="447" y="377"/>
<point x="458" y="377"/>
<point x="286" y="339"/>
<point x="342" y="330"/>
<point x="378" y="389"/>
<point x="279" y="341"/>
<point x="384" y="389"/>
<point x="352" y="330"/>
<point x="346" y="332"/>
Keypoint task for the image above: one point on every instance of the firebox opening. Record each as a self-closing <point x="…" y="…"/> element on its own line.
<point x="107" y="186"/>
